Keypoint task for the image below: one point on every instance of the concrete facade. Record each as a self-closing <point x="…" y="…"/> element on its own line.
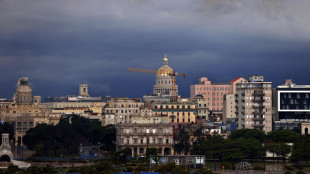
<point x="229" y="109"/>
<point x="253" y="104"/>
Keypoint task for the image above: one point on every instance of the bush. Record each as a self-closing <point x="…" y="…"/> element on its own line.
<point x="258" y="168"/>
<point x="300" y="172"/>
<point x="227" y="166"/>
<point x="288" y="167"/>
<point x="205" y="171"/>
<point x="288" y="172"/>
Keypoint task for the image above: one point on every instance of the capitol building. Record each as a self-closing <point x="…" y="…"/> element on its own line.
<point x="163" y="83"/>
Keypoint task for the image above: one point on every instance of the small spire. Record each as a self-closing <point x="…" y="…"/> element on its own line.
<point x="165" y="60"/>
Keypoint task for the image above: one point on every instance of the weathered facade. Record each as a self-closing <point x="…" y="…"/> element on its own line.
<point x="140" y="137"/>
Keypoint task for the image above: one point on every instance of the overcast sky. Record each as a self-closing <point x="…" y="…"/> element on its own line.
<point x="59" y="44"/>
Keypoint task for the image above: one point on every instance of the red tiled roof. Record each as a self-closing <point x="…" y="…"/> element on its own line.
<point x="235" y="79"/>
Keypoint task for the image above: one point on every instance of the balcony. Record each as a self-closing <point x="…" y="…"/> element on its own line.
<point x="258" y="119"/>
<point x="258" y="113"/>
<point x="258" y="94"/>
<point x="258" y="125"/>
<point x="258" y="100"/>
<point x="258" y="106"/>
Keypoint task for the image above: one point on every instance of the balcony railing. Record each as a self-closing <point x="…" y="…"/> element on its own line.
<point x="258" y="112"/>
<point x="258" y="100"/>
<point x="258" y="125"/>
<point x="258" y="106"/>
<point x="258" y="94"/>
<point x="258" y="119"/>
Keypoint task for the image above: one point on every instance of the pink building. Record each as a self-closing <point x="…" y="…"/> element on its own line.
<point x="214" y="93"/>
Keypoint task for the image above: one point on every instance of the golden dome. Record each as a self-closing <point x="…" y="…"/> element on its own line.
<point x="165" y="70"/>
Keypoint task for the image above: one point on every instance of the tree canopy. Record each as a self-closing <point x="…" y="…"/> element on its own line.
<point x="66" y="137"/>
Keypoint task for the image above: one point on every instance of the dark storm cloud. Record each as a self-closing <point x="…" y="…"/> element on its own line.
<point x="60" y="44"/>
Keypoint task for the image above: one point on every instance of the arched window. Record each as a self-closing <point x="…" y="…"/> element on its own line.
<point x="306" y="130"/>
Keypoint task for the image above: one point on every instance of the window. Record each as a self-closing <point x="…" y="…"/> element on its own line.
<point x="167" y="130"/>
<point x="127" y="140"/>
<point x="167" y="140"/>
<point x="154" y="141"/>
<point x="141" y="141"/>
<point x="135" y="140"/>
<point x="147" y="130"/>
<point x="154" y="130"/>
<point x="127" y="130"/>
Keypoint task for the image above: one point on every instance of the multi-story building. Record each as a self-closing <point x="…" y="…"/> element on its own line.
<point x="146" y="115"/>
<point x="141" y="136"/>
<point x="25" y="111"/>
<point x="202" y="109"/>
<point x="229" y="109"/>
<point x="177" y="112"/>
<point x="253" y="104"/>
<point x="118" y="110"/>
<point x="293" y="106"/>
<point x="214" y="93"/>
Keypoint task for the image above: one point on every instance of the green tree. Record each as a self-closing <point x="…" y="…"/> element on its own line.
<point x="122" y="155"/>
<point x="283" y="149"/>
<point x="300" y="151"/>
<point x="65" y="137"/>
<point x="7" y="128"/>
<point x="151" y="152"/>
<point x="247" y="134"/>
<point x="285" y="136"/>
<point x="213" y="147"/>
<point x="182" y="142"/>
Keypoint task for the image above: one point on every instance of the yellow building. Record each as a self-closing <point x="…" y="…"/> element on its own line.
<point x="181" y="112"/>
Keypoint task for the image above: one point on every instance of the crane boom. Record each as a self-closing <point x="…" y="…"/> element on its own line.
<point x="143" y="70"/>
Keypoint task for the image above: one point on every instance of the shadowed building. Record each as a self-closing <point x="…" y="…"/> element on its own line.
<point x="141" y="136"/>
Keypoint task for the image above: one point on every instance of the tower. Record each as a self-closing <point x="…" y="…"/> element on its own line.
<point x="83" y="90"/>
<point x="23" y="95"/>
<point x="163" y="84"/>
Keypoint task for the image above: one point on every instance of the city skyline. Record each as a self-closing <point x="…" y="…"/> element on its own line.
<point x="61" y="44"/>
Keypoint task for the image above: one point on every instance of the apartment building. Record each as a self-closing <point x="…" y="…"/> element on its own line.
<point x="254" y="104"/>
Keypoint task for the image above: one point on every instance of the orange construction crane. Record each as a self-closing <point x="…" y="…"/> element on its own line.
<point x="173" y="74"/>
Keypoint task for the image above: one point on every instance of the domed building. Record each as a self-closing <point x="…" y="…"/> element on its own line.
<point x="23" y="95"/>
<point x="163" y="83"/>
